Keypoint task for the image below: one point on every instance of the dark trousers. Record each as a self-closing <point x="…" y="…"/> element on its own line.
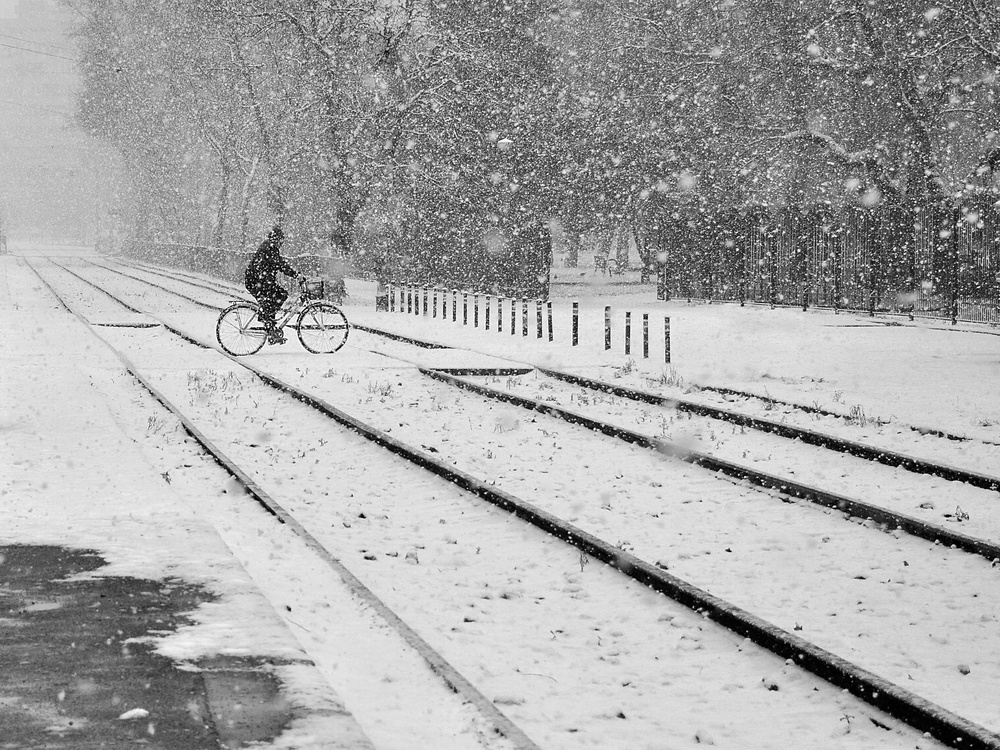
<point x="270" y="296"/>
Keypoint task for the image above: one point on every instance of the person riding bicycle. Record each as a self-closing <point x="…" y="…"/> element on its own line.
<point x="261" y="280"/>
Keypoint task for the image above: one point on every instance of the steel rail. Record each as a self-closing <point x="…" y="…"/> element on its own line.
<point x="851" y="506"/>
<point x="211" y="287"/>
<point x="862" y="450"/>
<point x="400" y="337"/>
<point x="842" y="445"/>
<point x="157" y="286"/>
<point x="53" y="292"/>
<point x="502" y="725"/>
<point x="933" y="431"/>
<point x="174" y="273"/>
<point x="115" y="299"/>
<point x="919" y="429"/>
<point x="106" y="293"/>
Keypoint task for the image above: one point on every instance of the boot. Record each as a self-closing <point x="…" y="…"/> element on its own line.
<point x="274" y="336"/>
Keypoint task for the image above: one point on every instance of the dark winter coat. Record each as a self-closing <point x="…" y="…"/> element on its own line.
<point x="263" y="268"/>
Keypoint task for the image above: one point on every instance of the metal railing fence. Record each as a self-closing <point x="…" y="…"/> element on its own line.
<point x="936" y="260"/>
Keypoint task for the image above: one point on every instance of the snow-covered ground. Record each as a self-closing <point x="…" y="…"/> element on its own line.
<point x="924" y="372"/>
<point x="67" y="403"/>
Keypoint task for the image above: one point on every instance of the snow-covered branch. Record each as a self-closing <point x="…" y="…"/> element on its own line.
<point x="834" y="147"/>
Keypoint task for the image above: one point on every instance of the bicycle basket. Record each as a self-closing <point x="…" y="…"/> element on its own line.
<point x="313" y="289"/>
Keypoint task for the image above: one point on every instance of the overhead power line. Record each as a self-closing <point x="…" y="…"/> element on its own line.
<point x="39" y="52"/>
<point x="60" y="57"/>
<point x="32" y="41"/>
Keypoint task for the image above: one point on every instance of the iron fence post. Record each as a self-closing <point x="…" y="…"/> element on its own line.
<point x="835" y="246"/>
<point x="956" y="220"/>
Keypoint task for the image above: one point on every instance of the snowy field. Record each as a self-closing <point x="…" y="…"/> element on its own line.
<point x="66" y="403"/>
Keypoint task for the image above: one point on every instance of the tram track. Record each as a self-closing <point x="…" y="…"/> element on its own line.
<point x="865" y="511"/>
<point x="116" y="302"/>
<point x="808" y="409"/>
<point x="248" y="484"/>
<point x="187" y="298"/>
<point x="451" y="676"/>
<point x="854" y="507"/>
<point x="795" y="648"/>
<point x="618" y="519"/>
<point x="207" y="284"/>
<point x="883" y="455"/>
<point x="860" y="509"/>
<point x="850" y="505"/>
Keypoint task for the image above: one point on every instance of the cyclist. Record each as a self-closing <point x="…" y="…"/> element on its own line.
<point x="261" y="280"/>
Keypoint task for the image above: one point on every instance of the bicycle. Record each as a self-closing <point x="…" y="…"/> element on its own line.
<point x="322" y="327"/>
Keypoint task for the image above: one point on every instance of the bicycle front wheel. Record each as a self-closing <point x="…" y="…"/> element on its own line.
<point x="323" y="328"/>
<point x="240" y="330"/>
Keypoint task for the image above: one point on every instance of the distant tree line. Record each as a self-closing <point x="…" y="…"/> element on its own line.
<point x="446" y="140"/>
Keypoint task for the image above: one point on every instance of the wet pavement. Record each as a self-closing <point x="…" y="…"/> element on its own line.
<point x="77" y="670"/>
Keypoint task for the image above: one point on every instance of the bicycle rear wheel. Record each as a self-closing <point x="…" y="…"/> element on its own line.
<point x="322" y="327"/>
<point x="239" y="330"/>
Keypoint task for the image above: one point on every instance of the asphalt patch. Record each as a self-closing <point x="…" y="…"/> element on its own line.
<point x="71" y="676"/>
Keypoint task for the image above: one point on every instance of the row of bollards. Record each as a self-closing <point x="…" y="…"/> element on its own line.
<point x="628" y="333"/>
<point x="419" y="300"/>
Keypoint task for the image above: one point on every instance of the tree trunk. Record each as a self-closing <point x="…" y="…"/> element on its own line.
<point x="245" y="205"/>
<point x="275" y="197"/>
<point x="222" y="216"/>
<point x="623" y="239"/>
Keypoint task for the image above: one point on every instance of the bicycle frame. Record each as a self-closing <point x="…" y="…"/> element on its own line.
<point x="291" y="310"/>
<point x="284" y="320"/>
